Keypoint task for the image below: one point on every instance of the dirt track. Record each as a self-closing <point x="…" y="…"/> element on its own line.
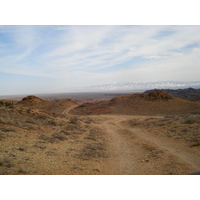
<point x="135" y="151"/>
<point x="66" y="111"/>
<point x="33" y="142"/>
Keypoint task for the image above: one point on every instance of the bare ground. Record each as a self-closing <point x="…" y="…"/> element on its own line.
<point x="137" y="151"/>
<point x="98" y="144"/>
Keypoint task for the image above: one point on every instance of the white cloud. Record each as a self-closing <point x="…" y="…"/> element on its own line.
<point x="123" y="43"/>
<point x="76" y="52"/>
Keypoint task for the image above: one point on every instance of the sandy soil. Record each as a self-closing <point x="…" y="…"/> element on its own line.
<point x="39" y="143"/>
<point x="137" y="151"/>
<point x="134" y="150"/>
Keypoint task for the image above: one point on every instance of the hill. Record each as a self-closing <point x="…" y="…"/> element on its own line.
<point x="35" y="141"/>
<point x="56" y="106"/>
<point x="154" y="103"/>
<point x="189" y="94"/>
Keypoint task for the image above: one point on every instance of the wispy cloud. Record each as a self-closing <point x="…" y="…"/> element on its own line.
<point x="95" y="54"/>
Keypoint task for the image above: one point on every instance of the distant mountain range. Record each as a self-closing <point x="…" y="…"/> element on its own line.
<point x="140" y="86"/>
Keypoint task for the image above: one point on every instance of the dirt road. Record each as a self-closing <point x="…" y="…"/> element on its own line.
<point x="66" y="111"/>
<point x="135" y="151"/>
<point x="98" y="144"/>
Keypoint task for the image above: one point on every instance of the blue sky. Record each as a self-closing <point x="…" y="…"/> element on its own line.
<point x="45" y="59"/>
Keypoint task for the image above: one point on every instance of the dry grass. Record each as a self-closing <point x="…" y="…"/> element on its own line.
<point x="181" y="127"/>
<point x="35" y="142"/>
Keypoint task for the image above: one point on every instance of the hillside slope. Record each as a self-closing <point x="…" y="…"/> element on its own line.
<point x="189" y="94"/>
<point x="56" y="106"/>
<point x="37" y="142"/>
<point x="154" y="103"/>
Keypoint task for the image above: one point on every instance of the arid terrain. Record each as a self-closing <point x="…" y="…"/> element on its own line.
<point x="153" y="133"/>
<point x="155" y="103"/>
<point x="189" y="94"/>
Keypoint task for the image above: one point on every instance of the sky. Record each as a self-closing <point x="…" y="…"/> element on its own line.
<point x="54" y="58"/>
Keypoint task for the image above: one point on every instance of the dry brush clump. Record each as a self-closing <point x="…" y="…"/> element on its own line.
<point x="53" y="138"/>
<point x="63" y="131"/>
<point x="182" y="127"/>
<point x="196" y="144"/>
<point x="7" y="103"/>
<point x="192" y="120"/>
<point x="95" y="134"/>
<point x="40" y="146"/>
<point x="93" y="150"/>
<point x="7" y="129"/>
<point x="6" y="165"/>
<point x="94" y="145"/>
<point x="74" y="120"/>
<point x="152" y="151"/>
<point x="6" y="162"/>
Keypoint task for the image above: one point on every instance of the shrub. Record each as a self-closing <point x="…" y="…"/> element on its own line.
<point x="40" y="146"/>
<point x="192" y="120"/>
<point x="43" y="137"/>
<point x="197" y="133"/>
<point x="21" y="149"/>
<point x="195" y="144"/>
<point x="134" y="122"/>
<point x="21" y="171"/>
<point x="54" y="137"/>
<point x="30" y="121"/>
<point x="74" y="120"/>
<point x="2" y="121"/>
<point x="2" y="136"/>
<point x="6" y="162"/>
<point x="88" y="120"/>
<point x="58" y="136"/>
<point x="185" y="130"/>
<point x="29" y="127"/>
<point x="189" y="121"/>
<point x="92" y="150"/>
<point x="7" y="129"/>
<point x="52" y="122"/>
<point x="42" y="116"/>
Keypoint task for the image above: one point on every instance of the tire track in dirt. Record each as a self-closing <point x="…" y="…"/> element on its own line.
<point x="173" y="158"/>
<point x="128" y="156"/>
<point x="66" y="111"/>
<point x="120" y="149"/>
<point x="176" y="150"/>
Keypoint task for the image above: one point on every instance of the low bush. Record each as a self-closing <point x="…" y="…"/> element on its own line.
<point x="6" y="162"/>
<point x="52" y="123"/>
<point x="7" y="129"/>
<point x="74" y="120"/>
<point x="55" y="137"/>
<point x="40" y="146"/>
<point x="41" y="116"/>
<point x="197" y="144"/>
<point x="30" y="121"/>
<point x="58" y="136"/>
<point x="189" y="121"/>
